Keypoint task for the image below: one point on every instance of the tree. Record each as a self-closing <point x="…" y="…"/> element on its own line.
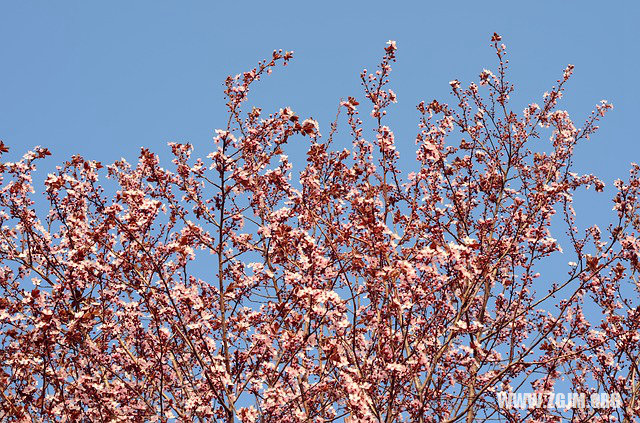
<point x="352" y="293"/>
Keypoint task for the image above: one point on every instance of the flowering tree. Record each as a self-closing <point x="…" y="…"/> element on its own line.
<point x="348" y="293"/>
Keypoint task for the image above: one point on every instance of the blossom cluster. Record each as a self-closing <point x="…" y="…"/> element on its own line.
<point x="232" y="288"/>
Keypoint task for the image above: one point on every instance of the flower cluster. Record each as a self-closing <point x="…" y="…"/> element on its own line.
<point x="230" y="287"/>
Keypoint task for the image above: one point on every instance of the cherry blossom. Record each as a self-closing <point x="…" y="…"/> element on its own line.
<point x="350" y="286"/>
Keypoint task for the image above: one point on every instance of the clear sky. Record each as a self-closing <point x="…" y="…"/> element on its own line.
<point x="103" y="78"/>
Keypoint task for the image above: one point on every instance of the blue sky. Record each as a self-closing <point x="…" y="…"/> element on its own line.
<point x="102" y="79"/>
